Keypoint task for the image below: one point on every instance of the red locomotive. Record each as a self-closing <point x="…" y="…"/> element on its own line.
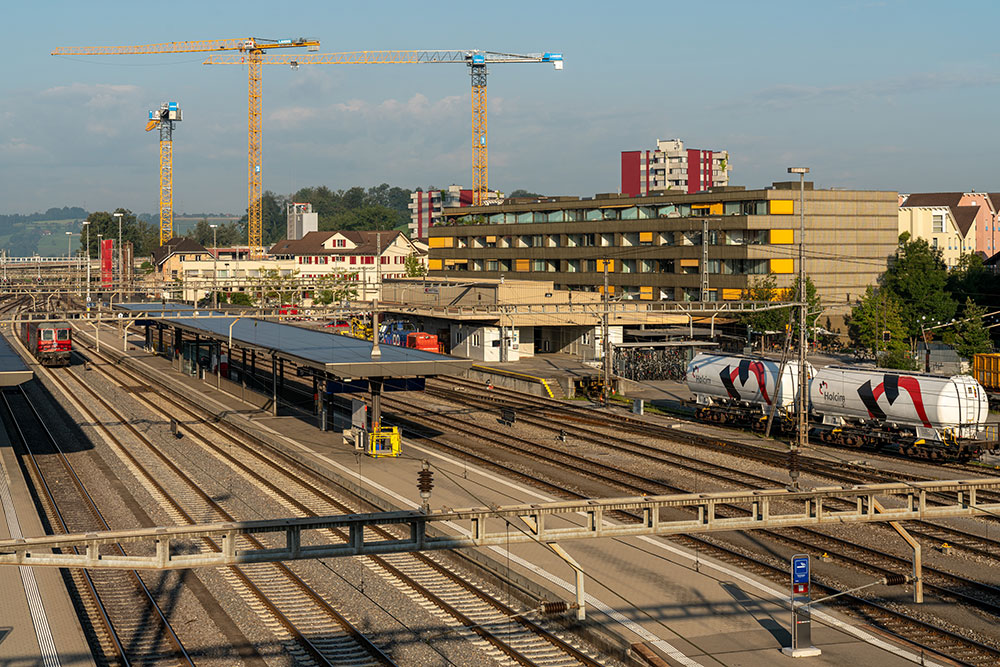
<point x="50" y="342"/>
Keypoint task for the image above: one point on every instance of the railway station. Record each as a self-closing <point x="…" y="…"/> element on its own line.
<point x="212" y="343"/>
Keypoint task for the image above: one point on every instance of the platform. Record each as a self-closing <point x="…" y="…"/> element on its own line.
<point x="13" y="370"/>
<point x="691" y="609"/>
<point x="335" y="355"/>
<point x="38" y="624"/>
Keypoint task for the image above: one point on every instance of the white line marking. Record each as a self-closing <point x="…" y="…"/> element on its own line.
<point x="43" y="632"/>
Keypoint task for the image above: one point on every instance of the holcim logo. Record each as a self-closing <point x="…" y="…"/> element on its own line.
<point x="831" y="396"/>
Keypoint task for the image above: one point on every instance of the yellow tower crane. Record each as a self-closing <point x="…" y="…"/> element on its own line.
<point x="164" y="118"/>
<point x="254" y="49"/>
<point x="476" y="61"/>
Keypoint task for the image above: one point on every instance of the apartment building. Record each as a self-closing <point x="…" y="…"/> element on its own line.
<point x="656" y="246"/>
<point x="953" y="222"/>
<point x="359" y="256"/>
<point x="425" y="207"/>
<point x="671" y="167"/>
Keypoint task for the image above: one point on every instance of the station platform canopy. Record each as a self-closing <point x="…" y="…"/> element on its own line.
<point x="331" y="354"/>
<point x="13" y="370"/>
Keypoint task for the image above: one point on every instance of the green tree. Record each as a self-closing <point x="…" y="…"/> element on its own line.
<point x="414" y="267"/>
<point x="875" y="324"/>
<point x="240" y="299"/>
<point x="969" y="336"/>
<point x="273" y="220"/>
<point x="523" y="193"/>
<point x="334" y="289"/>
<point x="918" y="277"/>
<point x="764" y="288"/>
<point x="143" y="236"/>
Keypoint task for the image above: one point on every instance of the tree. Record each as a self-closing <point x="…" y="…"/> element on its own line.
<point x="917" y="276"/>
<point x="334" y="289"/>
<point x="876" y="324"/>
<point x="764" y="288"/>
<point x="143" y="236"/>
<point x="240" y="299"/>
<point x="523" y="193"/>
<point x="414" y="267"/>
<point x="969" y="336"/>
<point x="970" y="278"/>
<point x="273" y="221"/>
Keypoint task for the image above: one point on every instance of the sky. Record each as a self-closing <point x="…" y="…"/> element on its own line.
<point x="893" y="95"/>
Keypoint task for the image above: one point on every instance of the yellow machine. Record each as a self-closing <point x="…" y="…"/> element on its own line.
<point x="383" y="441"/>
<point x="253" y="50"/>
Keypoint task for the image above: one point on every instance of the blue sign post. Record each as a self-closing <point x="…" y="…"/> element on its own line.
<point x="801" y="618"/>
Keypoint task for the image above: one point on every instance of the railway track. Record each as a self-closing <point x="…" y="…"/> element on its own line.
<point x="126" y="620"/>
<point x="307" y="624"/>
<point x="507" y="634"/>
<point x="942" y="583"/>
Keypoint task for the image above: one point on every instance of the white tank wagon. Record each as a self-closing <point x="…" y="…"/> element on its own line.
<point x="923" y="415"/>
<point x="731" y="388"/>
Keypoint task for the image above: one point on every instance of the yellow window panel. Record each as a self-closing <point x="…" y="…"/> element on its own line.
<point x="611" y="289"/>
<point x="491" y="239"/>
<point x="645" y="237"/>
<point x="691" y="262"/>
<point x="715" y="209"/>
<point x="434" y="265"/>
<point x="779" y="236"/>
<point x="782" y="266"/>
<point x="732" y="294"/>
<point x="449" y="262"/>
<point x="522" y="265"/>
<point x="646" y="292"/>
<point x="441" y="241"/>
<point x="781" y="207"/>
<point x="599" y="265"/>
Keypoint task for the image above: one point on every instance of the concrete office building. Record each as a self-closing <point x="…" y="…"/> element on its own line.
<point x="425" y="207"/>
<point x="654" y="244"/>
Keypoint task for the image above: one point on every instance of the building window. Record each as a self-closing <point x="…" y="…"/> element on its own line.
<point x="934" y="242"/>
<point x="937" y="226"/>
<point x="491" y="265"/>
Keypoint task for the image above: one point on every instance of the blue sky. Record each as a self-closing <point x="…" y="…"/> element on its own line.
<point x="873" y="95"/>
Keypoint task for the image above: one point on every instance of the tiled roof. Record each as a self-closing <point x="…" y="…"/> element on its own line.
<point x="175" y="245"/>
<point x="965" y="216"/>
<point x="950" y="199"/>
<point x="312" y="243"/>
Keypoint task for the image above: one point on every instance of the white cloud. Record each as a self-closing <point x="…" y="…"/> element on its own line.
<point x="95" y="96"/>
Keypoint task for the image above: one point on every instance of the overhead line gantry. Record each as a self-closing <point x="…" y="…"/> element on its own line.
<point x="475" y="59"/>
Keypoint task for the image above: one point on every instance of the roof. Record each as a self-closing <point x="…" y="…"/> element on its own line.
<point x="13" y="370"/>
<point x="930" y="199"/>
<point x="175" y="245"/>
<point x="367" y="243"/>
<point x="964" y="216"/>
<point x="341" y="356"/>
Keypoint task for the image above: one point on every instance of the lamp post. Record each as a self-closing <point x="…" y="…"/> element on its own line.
<point x="119" y="264"/>
<point x="803" y="402"/>
<point x="215" y="266"/>
<point x="86" y="224"/>
<point x="69" y="256"/>
<point x="100" y="255"/>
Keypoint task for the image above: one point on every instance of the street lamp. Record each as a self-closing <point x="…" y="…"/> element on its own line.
<point x="120" y="263"/>
<point x="69" y="256"/>
<point x="215" y="266"/>
<point x="86" y="224"/>
<point x="803" y="402"/>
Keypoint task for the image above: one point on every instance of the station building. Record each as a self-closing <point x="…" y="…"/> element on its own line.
<point x="656" y="246"/>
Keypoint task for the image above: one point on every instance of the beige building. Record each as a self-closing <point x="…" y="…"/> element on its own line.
<point x="944" y="222"/>
<point x="190" y="271"/>
<point x="655" y="247"/>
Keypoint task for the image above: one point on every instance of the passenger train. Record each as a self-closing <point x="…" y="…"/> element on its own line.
<point x="914" y="414"/>
<point x="50" y="342"/>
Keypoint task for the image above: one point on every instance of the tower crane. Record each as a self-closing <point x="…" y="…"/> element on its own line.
<point x="164" y="118"/>
<point x="476" y="61"/>
<point x="253" y="49"/>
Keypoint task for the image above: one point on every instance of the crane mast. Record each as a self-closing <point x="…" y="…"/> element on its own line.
<point x="253" y="49"/>
<point x="164" y="118"/>
<point x="476" y="61"/>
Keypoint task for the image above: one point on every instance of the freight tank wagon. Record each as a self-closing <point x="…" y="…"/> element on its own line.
<point x="919" y="413"/>
<point x="736" y="389"/>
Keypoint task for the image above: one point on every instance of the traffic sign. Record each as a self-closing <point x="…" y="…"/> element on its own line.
<point x="800" y="569"/>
